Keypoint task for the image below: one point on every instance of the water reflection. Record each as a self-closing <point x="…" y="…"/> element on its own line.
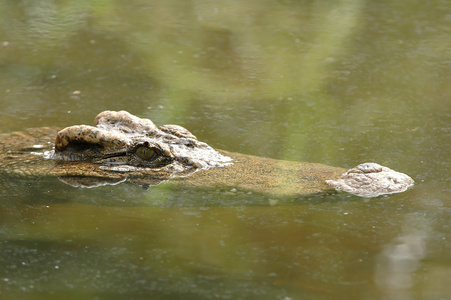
<point x="400" y="259"/>
<point x="335" y="82"/>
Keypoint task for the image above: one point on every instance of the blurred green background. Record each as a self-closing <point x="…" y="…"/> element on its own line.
<point x="336" y="82"/>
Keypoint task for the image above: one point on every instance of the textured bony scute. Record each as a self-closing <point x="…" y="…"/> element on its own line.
<point x="115" y="137"/>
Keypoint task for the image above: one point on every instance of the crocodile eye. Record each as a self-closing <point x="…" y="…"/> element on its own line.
<point x="146" y="153"/>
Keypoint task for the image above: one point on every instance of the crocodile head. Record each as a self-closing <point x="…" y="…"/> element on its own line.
<point x="121" y="141"/>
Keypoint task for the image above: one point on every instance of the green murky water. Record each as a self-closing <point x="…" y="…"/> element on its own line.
<point x="335" y="82"/>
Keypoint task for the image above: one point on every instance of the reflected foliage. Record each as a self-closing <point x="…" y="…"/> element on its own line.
<point x="336" y="82"/>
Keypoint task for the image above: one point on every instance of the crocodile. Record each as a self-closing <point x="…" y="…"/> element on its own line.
<point x="123" y="147"/>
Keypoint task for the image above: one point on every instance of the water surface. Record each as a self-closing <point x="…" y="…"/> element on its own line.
<point x="336" y="82"/>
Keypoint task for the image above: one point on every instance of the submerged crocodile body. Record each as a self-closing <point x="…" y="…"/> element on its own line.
<point x="121" y="147"/>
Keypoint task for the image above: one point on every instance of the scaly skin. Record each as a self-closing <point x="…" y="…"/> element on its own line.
<point x="122" y="147"/>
